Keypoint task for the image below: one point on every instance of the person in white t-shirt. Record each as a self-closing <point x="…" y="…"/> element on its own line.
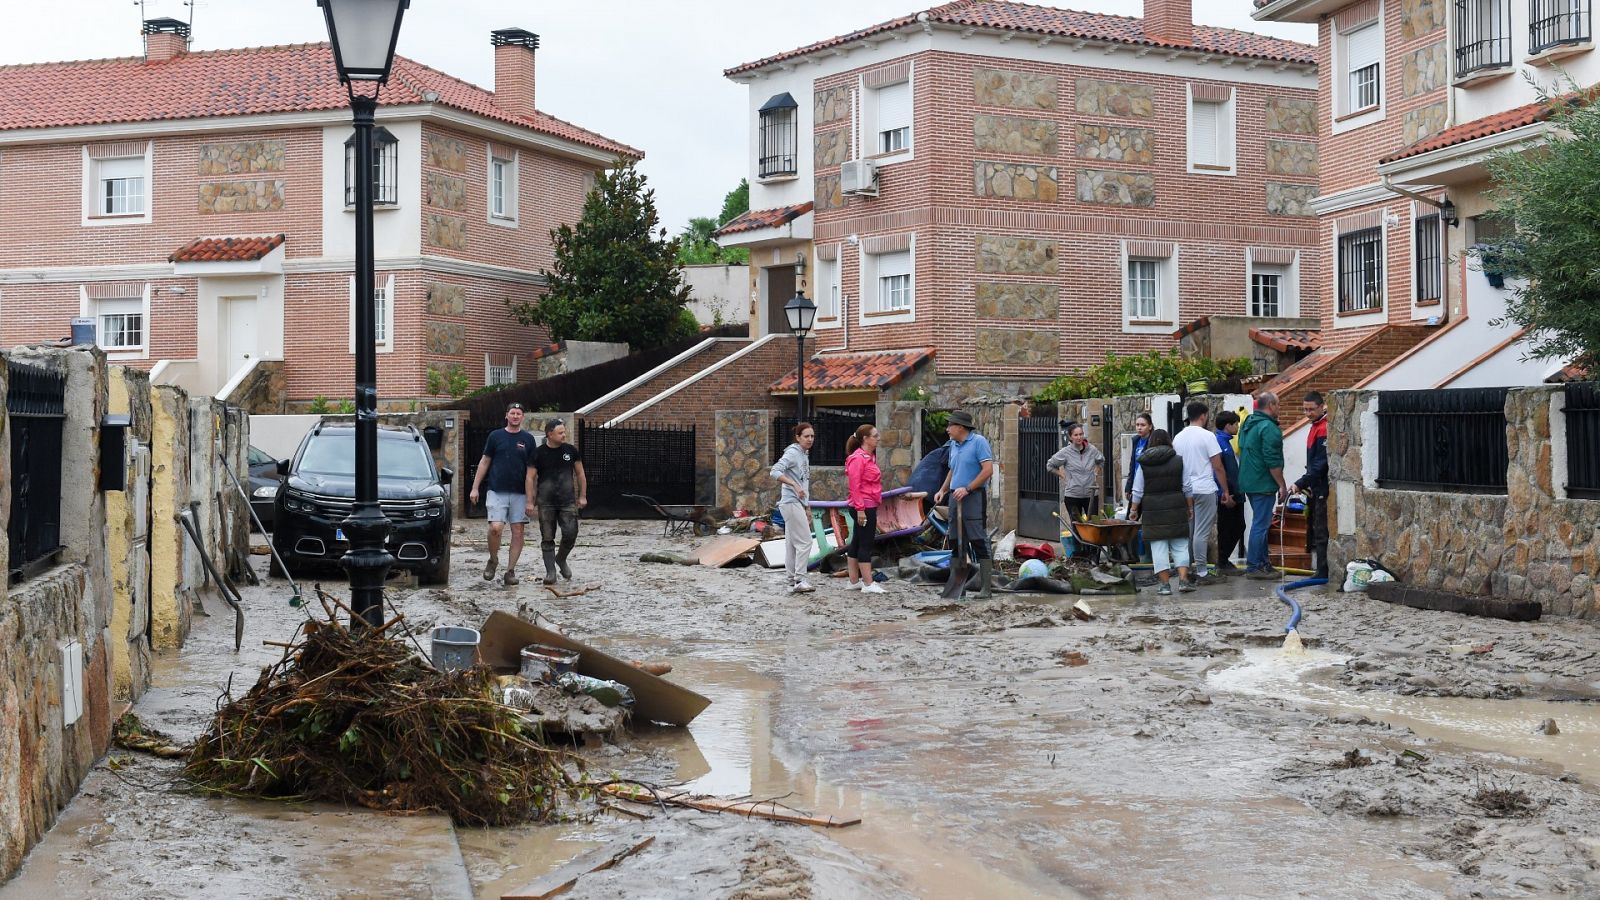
<point x="1202" y="475"/>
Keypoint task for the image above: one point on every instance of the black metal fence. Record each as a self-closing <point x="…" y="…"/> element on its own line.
<point x="1038" y="438"/>
<point x="1552" y="23"/>
<point x="1443" y="440"/>
<point x="1483" y="36"/>
<point x="35" y="401"/>
<point x="1583" y="440"/>
<point x="833" y="427"/>
<point x="656" y="461"/>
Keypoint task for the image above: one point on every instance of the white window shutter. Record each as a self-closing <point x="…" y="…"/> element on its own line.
<point x="1363" y="47"/>
<point x="1203" y="130"/>
<point x="896" y="263"/>
<point x="894" y="106"/>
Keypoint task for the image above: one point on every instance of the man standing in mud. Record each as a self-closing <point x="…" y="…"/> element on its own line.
<point x="1315" y="481"/>
<point x="560" y="490"/>
<point x="971" y="467"/>
<point x="505" y="466"/>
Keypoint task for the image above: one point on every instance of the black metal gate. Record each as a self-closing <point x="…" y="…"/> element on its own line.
<point x="655" y="461"/>
<point x="1443" y="440"/>
<point x="477" y="437"/>
<point x="35" y="401"/>
<point x="1583" y="440"/>
<point x="1038" y="491"/>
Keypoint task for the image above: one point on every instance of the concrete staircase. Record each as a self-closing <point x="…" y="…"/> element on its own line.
<point x="664" y="377"/>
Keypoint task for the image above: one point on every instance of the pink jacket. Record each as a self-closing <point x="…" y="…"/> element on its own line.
<point x="866" y="480"/>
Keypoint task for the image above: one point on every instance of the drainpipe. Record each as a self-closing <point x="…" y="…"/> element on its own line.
<point x="1444" y="235"/>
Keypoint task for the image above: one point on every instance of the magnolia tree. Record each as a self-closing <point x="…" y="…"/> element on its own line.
<point x="1550" y="196"/>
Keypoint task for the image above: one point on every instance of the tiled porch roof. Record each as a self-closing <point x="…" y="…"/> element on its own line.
<point x="1477" y="128"/>
<point x="227" y="249"/>
<point x="1191" y="328"/>
<point x="1284" y="340"/>
<point x="855" y="371"/>
<point x="757" y="219"/>
<point x="1049" y="21"/>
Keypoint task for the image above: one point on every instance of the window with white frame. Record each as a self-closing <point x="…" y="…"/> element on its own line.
<point x="1144" y="288"/>
<point x="1361" y="68"/>
<point x="1428" y="258"/>
<point x="827" y="289"/>
<point x="1149" y="285"/>
<point x="1483" y="35"/>
<point x="894" y="281"/>
<point x="1268" y="286"/>
<point x="502" y="185"/>
<point x="499" y="369"/>
<point x="892" y="118"/>
<point x="120" y="186"/>
<point x="1211" y="135"/>
<point x="1554" y="23"/>
<point x="120" y="324"/>
<point x="382" y="312"/>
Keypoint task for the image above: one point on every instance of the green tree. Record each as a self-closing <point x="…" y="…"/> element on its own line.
<point x="736" y="203"/>
<point x="1550" y="196"/>
<point x="616" y="275"/>
<point x="698" y="247"/>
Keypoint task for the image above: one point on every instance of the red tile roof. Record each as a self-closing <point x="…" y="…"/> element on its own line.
<point x="1045" y="20"/>
<point x="1191" y="328"/>
<point x="249" y="81"/>
<point x="855" y="371"/>
<point x="227" y="249"/>
<point x="757" y="219"/>
<point x="1477" y="128"/>
<point x="1284" y="340"/>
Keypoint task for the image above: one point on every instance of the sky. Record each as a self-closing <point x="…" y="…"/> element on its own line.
<point x="648" y="74"/>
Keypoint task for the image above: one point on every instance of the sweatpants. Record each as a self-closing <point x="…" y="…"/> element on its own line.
<point x="1230" y="530"/>
<point x="1201" y="521"/>
<point x="797" y="539"/>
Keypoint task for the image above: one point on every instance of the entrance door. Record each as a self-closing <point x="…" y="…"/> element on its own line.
<point x="780" y="290"/>
<point x="238" y="334"/>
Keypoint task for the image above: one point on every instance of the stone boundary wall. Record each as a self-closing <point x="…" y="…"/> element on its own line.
<point x="1528" y="544"/>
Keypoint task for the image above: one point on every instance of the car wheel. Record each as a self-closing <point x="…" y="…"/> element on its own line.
<point x="438" y="573"/>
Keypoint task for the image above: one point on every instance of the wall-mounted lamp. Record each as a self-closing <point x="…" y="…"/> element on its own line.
<point x="1447" y="213"/>
<point x="800" y="267"/>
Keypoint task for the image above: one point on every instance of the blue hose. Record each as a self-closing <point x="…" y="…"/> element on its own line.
<point x="1283" y="594"/>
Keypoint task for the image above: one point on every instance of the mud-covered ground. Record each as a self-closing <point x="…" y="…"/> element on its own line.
<point x="997" y="749"/>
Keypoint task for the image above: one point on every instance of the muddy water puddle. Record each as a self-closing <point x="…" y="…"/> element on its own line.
<point x="1498" y="726"/>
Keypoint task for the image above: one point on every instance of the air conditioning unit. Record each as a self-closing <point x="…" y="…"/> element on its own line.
<point x="859" y="177"/>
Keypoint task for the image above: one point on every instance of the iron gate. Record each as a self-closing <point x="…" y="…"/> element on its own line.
<point x="1038" y="491"/>
<point x="477" y="436"/>
<point x="35" y="401"/>
<point x="655" y="461"/>
<point x="1443" y="440"/>
<point x="1583" y="440"/>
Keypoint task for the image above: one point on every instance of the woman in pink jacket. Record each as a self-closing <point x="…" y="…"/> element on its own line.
<point x="866" y="493"/>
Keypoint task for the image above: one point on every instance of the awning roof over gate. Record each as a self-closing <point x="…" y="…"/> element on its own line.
<point x="846" y="372"/>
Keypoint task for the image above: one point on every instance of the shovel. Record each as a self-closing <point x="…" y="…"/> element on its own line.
<point x="957" y="585"/>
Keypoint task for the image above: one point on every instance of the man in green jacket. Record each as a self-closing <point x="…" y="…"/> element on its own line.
<point x="1261" y="480"/>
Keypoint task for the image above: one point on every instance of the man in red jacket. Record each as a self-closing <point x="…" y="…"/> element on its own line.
<point x="1315" y="481"/>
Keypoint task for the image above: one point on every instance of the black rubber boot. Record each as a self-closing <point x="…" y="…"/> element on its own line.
<point x="549" y="567"/>
<point x="985" y="578"/>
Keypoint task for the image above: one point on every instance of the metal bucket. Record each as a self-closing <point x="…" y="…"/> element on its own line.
<point x="454" y="648"/>
<point x="542" y="662"/>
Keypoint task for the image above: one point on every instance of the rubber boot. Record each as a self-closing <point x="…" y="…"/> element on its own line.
<point x="561" y="561"/>
<point x="985" y="578"/>
<point x="549" y="567"/>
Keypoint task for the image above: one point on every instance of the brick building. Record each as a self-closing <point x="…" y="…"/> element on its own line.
<point x="196" y="207"/>
<point x="1021" y="189"/>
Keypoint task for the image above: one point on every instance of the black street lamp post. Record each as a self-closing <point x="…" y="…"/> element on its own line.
<point x="801" y="313"/>
<point x="363" y="35"/>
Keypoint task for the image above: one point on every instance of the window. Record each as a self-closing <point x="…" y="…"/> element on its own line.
<point x="1491" y="229"/>
<point x="1266" y="292"/>
<point x="502" y="185"/>
<point x="1363" y="66"/>
<point x="1429" y="256"/>
<point x="779" y="123"/>
<point x="1483" y="35"/>
<point x="1554" y="23"/>
<point x="892" y="276"/>
<point x="827" y="289"/>
<point x="382" y="312"/>
<point x="385" y="168"/>
<point x="120" y="324"/>
<point x="1361" y="270"/>
<point x="1210" y="135"/>
<point x="893" y="117"/>
<point x="499" y="368"/>
<point x="121" y="186"/>
<point x="1144" y="283"/>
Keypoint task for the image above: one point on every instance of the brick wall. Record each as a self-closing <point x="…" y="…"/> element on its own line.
<point x="671" y="378"/>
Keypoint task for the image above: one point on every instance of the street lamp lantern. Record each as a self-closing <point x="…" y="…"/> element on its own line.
<point x="363" y="34"/>
<point x="801" y="313"/>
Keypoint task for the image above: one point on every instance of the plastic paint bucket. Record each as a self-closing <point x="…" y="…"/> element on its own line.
<point x="454" y="648"/>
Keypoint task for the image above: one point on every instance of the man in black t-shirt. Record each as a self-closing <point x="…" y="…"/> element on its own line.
<point x="560" y="490"/>
<point x="505" y="466"/>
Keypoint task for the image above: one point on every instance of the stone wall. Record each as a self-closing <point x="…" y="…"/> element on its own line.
<point x="1015" y="347"/>
<point x="1019" y="90"/>
<point x="1014" y="134"/>
<point x="1003" y="255"/>
<point x="263" y="391"/>
<point x="444" y="191"/>
<point x="1528" y="544"/>
<point x="448" y="232"/>
<point x="1290" y="116"/>
<point x="1116" y="188"/>
<point x="172" y="594"/>
<point x="447" y="153"/>
<point x="1426" y="69"/>
<point x="831" y="105"/>
<point x="1290" y="199"/>
<point x="1115" y="98"/>
<point x="1291" y="158"/>
<point x="241" y="196"/>
<point x="1424" y="122"/>
<point x="127" y="520"/>
<point x="1006" y="300"/>
<point x="828" y="192"/>
<point x="1014" y="181"/>
<point x="1117" y="144"/>
<point x="832" y="147"/>
<point x="1420" y="17"/>
<point x="241" y="157"/>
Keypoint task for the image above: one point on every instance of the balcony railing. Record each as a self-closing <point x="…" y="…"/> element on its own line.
<point x="1554" y="23"/>
<point x="1483" y="35"/>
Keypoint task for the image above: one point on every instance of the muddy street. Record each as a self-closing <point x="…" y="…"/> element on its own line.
<point x="1179" y="752"/>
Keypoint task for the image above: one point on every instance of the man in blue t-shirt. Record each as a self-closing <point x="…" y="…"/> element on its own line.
<point x="505" y="466"/>
<point x="971" y="467"/>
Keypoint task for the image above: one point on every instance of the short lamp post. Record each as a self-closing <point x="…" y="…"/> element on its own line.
<point x="801" y="313"/>
<point x="363" y="35"/>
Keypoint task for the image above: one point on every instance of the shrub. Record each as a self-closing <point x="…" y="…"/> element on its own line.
<point x="1147" y="373"/>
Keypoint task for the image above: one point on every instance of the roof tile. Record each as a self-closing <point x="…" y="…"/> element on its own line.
<point x="855" y="371"/>
<point x="227" y="249"/>
<point x="1528" y="114"/>
<point x="756" y="219"/>
<point x="1284" y="340"/>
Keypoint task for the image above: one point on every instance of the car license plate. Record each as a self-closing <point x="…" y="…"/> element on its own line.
<point x="338" y="534"/>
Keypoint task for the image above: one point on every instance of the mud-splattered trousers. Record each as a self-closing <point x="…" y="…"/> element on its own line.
<point x="557" y="508"/>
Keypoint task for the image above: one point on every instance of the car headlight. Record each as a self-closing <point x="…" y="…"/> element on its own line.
<point x="265" y="491"/>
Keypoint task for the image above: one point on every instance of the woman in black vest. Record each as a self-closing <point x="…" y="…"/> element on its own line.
<point x="1161" y="506"/>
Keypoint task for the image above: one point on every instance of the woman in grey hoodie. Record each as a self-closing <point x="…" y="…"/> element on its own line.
<point x="793" y="471"/>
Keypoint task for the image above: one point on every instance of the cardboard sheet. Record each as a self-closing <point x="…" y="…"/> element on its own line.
<point x="724" y="549"/>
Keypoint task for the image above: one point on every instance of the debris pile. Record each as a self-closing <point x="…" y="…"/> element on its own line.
<point x="358" y="718"/>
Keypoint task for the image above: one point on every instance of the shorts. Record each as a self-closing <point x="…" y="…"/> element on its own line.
<point x="504" y="507"/>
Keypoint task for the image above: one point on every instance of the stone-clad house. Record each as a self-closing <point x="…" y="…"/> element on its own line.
<point x="197" y="207"/>
<point x="1049" y="185"/>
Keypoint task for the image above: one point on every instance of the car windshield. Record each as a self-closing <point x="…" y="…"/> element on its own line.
<point x="335" y="454"/>
<point x="259" y="457"/>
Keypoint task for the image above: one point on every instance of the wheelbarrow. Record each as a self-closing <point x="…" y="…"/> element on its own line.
<point x="1108" y="537"/>
<point x="680" y="517"/>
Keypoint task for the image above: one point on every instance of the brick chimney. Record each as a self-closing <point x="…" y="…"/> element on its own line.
<point x="164" y="39"/>
<point x="1169" y="21"/>
<point x="513" y="69"/>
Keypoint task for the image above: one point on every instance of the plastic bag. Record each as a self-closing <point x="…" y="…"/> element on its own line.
<point x="1361" y="572"/>
<point x="1005" y="550"/>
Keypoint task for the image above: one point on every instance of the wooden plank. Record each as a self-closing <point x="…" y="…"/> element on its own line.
<point x="1452" y="601"/>
<point x="655" y="699"/>
<point x="724" y="549"/>
<point x="562" y="879"/>
<point x="757" y="809"/>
